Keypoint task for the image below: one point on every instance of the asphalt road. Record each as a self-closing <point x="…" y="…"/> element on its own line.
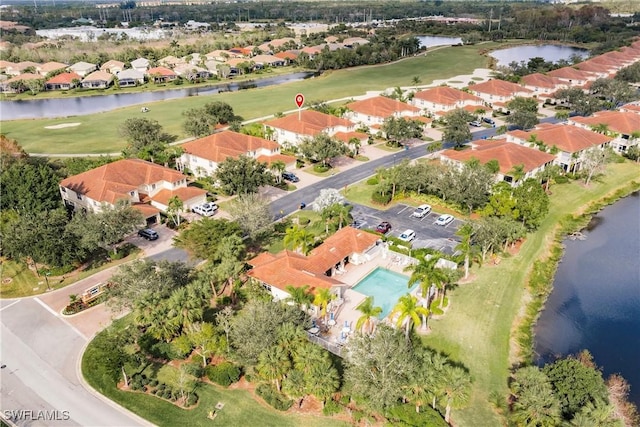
<point x="291" y="202"/>
<point x="41" y="353"/>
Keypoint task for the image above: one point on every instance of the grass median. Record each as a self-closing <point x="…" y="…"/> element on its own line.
<point x="98" y="133"/>
<point x="476" y="330"/>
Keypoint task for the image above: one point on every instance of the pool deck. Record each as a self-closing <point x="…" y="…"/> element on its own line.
<point x="347" y="311"/>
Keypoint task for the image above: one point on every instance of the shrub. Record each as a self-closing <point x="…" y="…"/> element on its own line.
<point x="192" y="399"/>
<point x="304" y="221"/>
<point x="273" y="397"/>
<point x="161" y="387"/>
<point x="331" y="408"/>
<point x="373" y="180"/>
<point x="407" y="415"/>
<point x="153" y="383"/>
<point x="561" y="179"/>
<point x="320" y="168"/>
<point x="194" y="368"/>
<point x="380" y="198"/>
<point x="224" y="373"/>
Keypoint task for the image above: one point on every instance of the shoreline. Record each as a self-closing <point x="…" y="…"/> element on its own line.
<point x="524" y="326"/>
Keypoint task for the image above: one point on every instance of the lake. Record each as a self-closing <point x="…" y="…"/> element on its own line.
<point x="550" y="53"/>
<point x="431" y="41"/>
<point x="82" y="105"/>
<point x="595" y="302"/>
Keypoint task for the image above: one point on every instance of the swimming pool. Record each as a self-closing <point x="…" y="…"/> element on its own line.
<point x="385" y="286"/>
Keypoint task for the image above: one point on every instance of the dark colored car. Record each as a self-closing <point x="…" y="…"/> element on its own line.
<point x="488" y="120"/>
<point x="358" y="223"/>
<point x="383" y="227"/>
<point x="148" y="234"/>
<point x="290" y="176"/>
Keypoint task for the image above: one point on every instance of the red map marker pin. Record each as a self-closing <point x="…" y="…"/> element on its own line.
<point x="299" y="100"/>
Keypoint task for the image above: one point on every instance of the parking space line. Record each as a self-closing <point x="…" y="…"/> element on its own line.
<point x="13" y="303"/>
<point x="405" y="208"/>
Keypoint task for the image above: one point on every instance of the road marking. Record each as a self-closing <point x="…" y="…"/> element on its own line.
<point x="13" y="303"/>
<point x="50" y="310"/>
<point x="405" y="208"/>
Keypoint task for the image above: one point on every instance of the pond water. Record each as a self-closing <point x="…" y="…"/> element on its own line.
<point x="595" y="303"/>
<point x="431" y="41"/>
<point x="550" y="52"/>
<point x="82" y="105"/>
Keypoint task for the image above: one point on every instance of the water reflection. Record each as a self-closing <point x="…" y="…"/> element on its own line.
<point x="78" y="106"/>
<point x="431" y="41"/>
<point x="550" y="53"/>
<point x="595" y="303"/>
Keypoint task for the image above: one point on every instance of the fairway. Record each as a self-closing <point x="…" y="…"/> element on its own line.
<point x="98" y="133"/>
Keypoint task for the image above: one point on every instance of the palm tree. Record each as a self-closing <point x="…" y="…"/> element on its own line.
<point x="322" y="299"/>
<point x="369" y="312"/>
<point x="562" y="115"/>
<point x="294" y="386"/>
<point x="298" y="239"/>
<point x="433" y="366"/>
<point x="466" y="246"/>
<point x="322" y="379"/>
<point x="409" y="313"/>
<point x="185" y="306"/>
<point x="290" y="337"/>
<point x="277" y="168"/>
<point x="273" y="364"/>
<point x="456" y="389"/>
<point x="517" y="172"/>
<point x="602" y="128"/>
<point x="426" y="273"/>
<point x="300" y="295"/>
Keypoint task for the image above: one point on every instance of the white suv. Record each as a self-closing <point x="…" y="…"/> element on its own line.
<point x="421" y="211"/>
<point x="205" y="209"/>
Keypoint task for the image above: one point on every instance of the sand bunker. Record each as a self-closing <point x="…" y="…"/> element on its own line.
<point x="62" y="126"/>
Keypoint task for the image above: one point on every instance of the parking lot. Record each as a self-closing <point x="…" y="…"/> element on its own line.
<point x="428" y="234"/>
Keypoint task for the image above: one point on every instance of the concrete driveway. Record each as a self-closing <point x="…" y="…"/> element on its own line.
<point x="428" y="234"/>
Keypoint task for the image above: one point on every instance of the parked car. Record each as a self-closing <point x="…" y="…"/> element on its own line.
<point x="489" y="120"/>
<point x="475" y="123"/>
<point x="444" y="219"/>
<point x="407" y="235"/>
<point x="148" y="234"/>
<point x="421" y="211"/>
<point x="383" y="227"/>
<point x="205" y="209"/>
<point x="358" y="223"/>
<point x="290" y="176"/>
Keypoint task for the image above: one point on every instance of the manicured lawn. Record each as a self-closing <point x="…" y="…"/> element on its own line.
<point x="98" y="133"/>
<point x="24" y="281"/>
<point x="476" y="329"/>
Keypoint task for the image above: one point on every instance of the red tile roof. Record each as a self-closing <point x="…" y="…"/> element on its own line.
<point x="286" y="55"/>
<point x="22" y="77"/>
<point x="219" y="146"/>
<point x="381" y="106"/>
<point x="115" y="180"/>
<point x="183" y="193"/>
<point x="287" y="160"/>
<point x="446" y="95"/>
<point x="565" y="137"/>
<point x="499" y="88"/>
<point x="593" y="67"/>
<point x="308" y="122"/>
<point x="617" y="121"/>
<point x="346" y="136"/>
<point x="64" y="78"/>
<point x="161" y="71"/>
<point x="343" y="243"/>
<point x="507" y="154"/>
<point x="541" y="80"/>
<point x="290" y="268"/>
<point x="569" y="73"/>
